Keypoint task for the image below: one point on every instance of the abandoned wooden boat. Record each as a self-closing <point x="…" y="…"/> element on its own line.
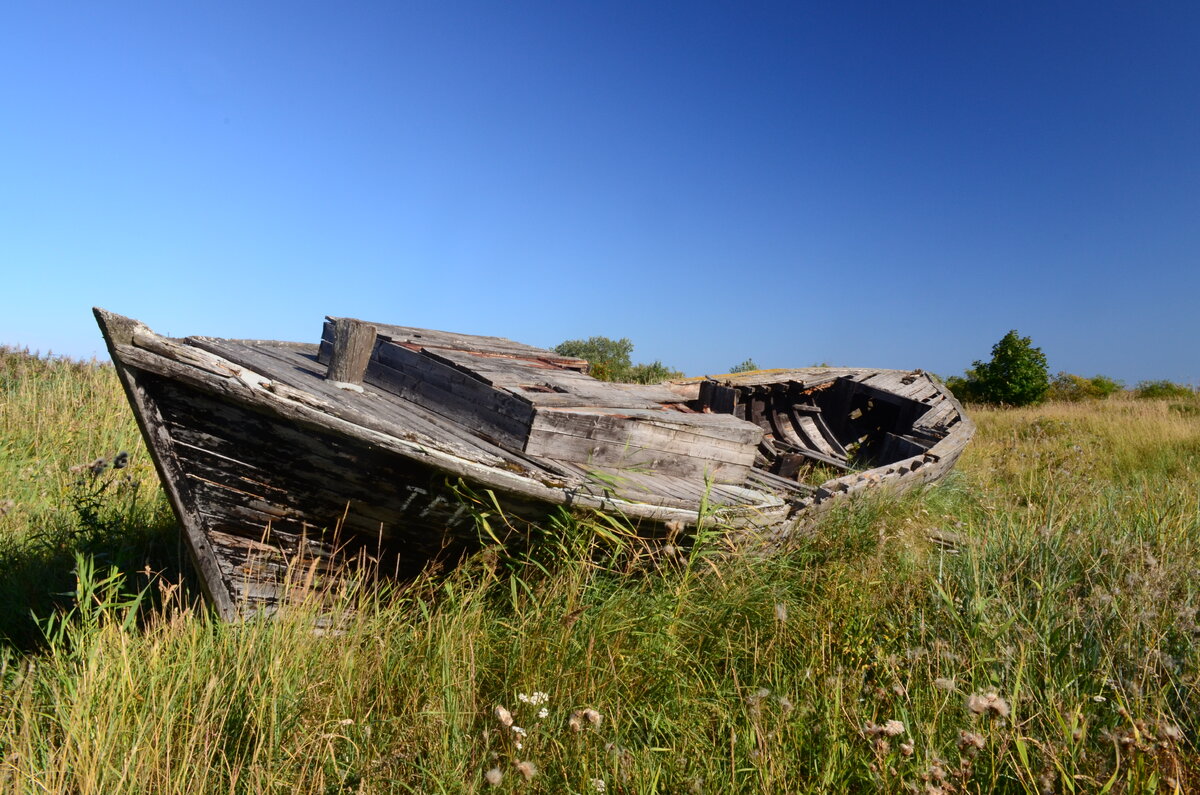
<point x="382" y="437"/>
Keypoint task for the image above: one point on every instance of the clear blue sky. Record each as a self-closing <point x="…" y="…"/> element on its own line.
<point x="884" y="184"/>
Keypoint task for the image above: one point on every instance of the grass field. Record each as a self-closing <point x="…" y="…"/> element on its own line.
<point x="1051" y="646"/>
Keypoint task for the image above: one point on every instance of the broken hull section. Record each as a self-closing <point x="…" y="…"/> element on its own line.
<point x="267" y="495"/>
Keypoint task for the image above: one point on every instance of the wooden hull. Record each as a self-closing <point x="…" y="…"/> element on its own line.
<point x="271" y="470"/>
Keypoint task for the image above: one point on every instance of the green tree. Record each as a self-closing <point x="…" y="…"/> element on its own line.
<point x="609" y="358"/>
<point x="1017" y="374"/>
<point x="744" y="367"/>
<point x="610" y="361"/>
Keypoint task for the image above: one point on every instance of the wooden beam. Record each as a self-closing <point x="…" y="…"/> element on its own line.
<point x="353" y="341"/>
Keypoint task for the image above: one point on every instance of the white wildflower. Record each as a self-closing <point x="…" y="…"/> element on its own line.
<point x="599" y="785"/>
<point x="543" y="713"/>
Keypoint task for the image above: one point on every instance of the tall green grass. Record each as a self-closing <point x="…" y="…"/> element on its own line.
<point x="1047" y="643"/>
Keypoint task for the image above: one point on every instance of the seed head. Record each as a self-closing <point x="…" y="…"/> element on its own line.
<point x="504" y="716"/>
<point x="1170" y="732"/>
<point x="969" y="740"/>
<point x="988" y="703"/>
<point x="493" y="777"/>
<point x="527" y="769"/>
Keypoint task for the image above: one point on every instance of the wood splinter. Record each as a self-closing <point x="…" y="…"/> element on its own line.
<point x="353" y="341"/>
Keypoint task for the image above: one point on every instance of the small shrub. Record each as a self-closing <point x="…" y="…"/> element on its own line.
<point x="653" y="373"/>
<point x="1067" y="387"/>
<point x="1163" y="389"/>
<point x="747" y="366"/>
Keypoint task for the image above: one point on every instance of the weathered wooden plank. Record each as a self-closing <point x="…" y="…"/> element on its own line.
<point x="722" y="430"/>
<point x="378" y="409"/>
<point x="118" y="333"/>
<point x="783" y="429"/>
<point x="475" y="406"/>
<point x="658" y="434"/>
<point x="469" y="342"/>
<point x="813" y="454"/>
<point x="816" y="439"/>
<point x="615" y="454"/>
<point x="839" y="451"/>
<point x="765" y="479"/>
<point x="938" y="414"/>
<point x="718" y="398"/>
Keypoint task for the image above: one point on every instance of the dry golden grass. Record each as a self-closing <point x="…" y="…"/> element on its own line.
<point x="1054" y="648"/>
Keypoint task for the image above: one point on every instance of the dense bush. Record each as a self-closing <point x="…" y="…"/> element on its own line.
<point x="1017" y="375"/>
<point x="1071" y="388"/>
<point x="1163" y="389"/>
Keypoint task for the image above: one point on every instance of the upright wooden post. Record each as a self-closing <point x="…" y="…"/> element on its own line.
<point x="353" y="341"/>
